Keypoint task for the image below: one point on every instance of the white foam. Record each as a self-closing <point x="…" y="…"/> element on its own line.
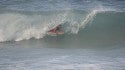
<point x="15" y="26"/>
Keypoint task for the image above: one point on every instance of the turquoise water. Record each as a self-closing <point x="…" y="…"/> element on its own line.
<point x="94" y="36"/>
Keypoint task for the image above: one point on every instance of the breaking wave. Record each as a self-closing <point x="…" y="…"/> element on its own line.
<point x="23" y="25"/>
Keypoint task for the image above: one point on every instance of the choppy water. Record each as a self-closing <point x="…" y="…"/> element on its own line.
<point x="94" y="36"/>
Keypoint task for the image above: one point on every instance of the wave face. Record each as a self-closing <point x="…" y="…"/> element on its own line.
<point x="24" y="19"/>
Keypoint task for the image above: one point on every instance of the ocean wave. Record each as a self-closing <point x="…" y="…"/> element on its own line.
<point x="21" y="25"/>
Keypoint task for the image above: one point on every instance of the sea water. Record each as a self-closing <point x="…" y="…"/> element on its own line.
<point x="94" y="36"/>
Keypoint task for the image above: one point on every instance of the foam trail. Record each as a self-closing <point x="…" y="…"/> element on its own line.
<point x="75" y="26"/>
<point x="88" y="18"/>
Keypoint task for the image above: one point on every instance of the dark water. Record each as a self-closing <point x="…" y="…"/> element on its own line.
<point x="94" y="36"/>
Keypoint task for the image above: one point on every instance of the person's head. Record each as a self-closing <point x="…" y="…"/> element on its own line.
<point x="59" y="25"/>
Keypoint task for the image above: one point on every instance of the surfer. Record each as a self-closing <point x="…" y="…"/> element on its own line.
<point x="56" y="30"/>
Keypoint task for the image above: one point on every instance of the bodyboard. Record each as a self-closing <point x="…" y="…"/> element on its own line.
<point x="55" y="33"/>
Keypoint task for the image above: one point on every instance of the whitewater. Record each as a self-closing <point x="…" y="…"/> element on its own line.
<point x="93" y="39"/>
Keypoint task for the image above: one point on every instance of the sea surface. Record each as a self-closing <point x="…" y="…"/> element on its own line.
<point x="93" y="39"/>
